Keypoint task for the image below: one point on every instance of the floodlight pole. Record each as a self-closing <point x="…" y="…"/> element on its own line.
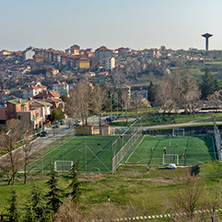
<point x="85" y="157"/>
<point x="111" y="105"/>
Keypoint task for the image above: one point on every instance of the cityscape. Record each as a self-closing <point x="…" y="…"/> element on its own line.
<point x="110" y="112"/>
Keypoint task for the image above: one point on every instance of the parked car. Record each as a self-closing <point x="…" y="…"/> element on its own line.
<point x="56" y="126"/>
<point x="78" y="123"/>
<point x="61" y="122"/>
<point x="43" y="134"/>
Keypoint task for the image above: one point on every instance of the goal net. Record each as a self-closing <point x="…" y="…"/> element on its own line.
<point x="178" y="132"/>
<point x="63" y="165"/>
<point x="170" y="158"/>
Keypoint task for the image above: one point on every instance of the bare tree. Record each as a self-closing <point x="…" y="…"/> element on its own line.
<point x="188" y="201"/>
<point x="99" y="98"/>
<point x="215" y="98"/>
<point x="164" y="96"/>
<point x="191" y="94"/>
<point x="27" y="150"/>
<point x="78" y="104"/>
<point x="69" y="211"/>
<point x="9" y="138"/>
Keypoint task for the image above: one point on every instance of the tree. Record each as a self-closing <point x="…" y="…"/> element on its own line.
<point x="191" y="94"/>
<point x="36" y="210"/>
<point x="27" y="149"/>
<point x="57" y="114"/>
<point x="208" y="84"/>
<point x="99" y="98"/>
<point x="13" y="208"/>
<point x="188" y="201"/>
<point x="74" y="186"/>
<point x="164" y="96"/>
<point x="78" y="104"/>
<point x="151" y="93"/>
<point x="215" y="98"/>
<point x="54" y="195"/>
<point x="9" y="138"/>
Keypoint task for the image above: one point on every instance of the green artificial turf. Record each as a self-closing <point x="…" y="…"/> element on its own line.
<point x="95" y="153"/>
<point x="197" y="149"/>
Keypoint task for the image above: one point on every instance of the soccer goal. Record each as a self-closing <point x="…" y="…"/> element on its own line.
<point x="63" y="165"/>
<point x="178" y="132"/>
<point x="170" y="158"/>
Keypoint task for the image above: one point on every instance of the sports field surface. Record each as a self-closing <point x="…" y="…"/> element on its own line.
<point x="94" y="152"/>
<point x="191" y="150"/>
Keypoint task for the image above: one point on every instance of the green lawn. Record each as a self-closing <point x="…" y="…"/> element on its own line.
<point x="149" y="119"/>
<point x="197" y="149"/>
<point x="94" y="152"/>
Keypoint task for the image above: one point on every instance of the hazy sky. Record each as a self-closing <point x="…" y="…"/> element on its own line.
<point x="137" y="24"/>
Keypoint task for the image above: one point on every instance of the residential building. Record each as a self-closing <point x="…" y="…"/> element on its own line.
<point x="47" y="94"/>
<point x="39" y="59"/>
<point x="20" y="109"/>
<point x="44" y="106"/>
<point x="28" y="53"/>
<point x="61" y="87"/>
<point x="123" y="52"/>
<point x="83" y="63"/>
<point x="102" y="53"/>
<point x="109" y="63"/>
<point x="31" y="91"/>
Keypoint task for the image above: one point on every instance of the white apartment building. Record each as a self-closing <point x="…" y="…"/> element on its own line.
<point x="110" y="63"/>
<point x="31" y="91"/>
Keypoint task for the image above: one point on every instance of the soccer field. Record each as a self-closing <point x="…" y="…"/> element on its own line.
<point x="150" y="150"/>
<point x="94" y="152"/>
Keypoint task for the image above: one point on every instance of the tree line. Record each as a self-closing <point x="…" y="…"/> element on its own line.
<point x="185" y="92"/>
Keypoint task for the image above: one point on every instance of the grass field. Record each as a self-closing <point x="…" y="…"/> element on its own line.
<point x="94" y="152"/>
<point x="197" y="150"/>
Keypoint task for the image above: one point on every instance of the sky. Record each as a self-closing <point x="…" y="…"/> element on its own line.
<point x="137" y="24"/>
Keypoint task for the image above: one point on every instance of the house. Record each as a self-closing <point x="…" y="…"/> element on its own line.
<point x="55" y="103"/>
<point x="44" y="106"/>
<point x="83" y="63"/>
<point x="102" y="53"/>
<point x="61" y="87"/>
<point x="123" y="52"/>
<point x="39" y="59"/>
<point x="28" y="53"/>
<point x="47" y="94"/>
<point x="33" y="90"/>
<point x="20" y="109"/>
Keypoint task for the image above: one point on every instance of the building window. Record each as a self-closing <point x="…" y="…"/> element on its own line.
<point x="20" y="117"/>
<point x="37" y="115"/>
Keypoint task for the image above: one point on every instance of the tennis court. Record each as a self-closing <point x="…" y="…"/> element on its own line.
<point x="191" y="150"/>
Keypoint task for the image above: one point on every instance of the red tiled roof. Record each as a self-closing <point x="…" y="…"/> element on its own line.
<point x="47" y="94"/>
<point x="84" y="59"/>
<point x="103" y="48"/>
<point x="31" y="87"/>
<point x="38" y="56"/>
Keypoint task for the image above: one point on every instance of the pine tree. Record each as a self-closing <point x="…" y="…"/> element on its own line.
<point x="208" y="84"/>
<point x="13" y="208"/>
<point x="151" y="93"/>
<point x="55" y="194"/>
<point x="37" y="209"/>
<point x="74" y="186"/>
